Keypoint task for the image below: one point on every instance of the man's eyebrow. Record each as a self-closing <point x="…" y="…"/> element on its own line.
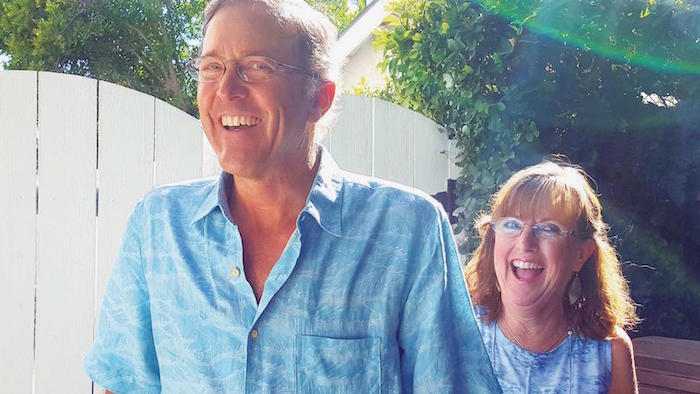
<point x="215" y="53"/>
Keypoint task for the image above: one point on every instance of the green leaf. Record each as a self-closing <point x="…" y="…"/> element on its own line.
<point x="391" y="20"/>
<point x="451" y="44"/>
<point x="644" y="13"/>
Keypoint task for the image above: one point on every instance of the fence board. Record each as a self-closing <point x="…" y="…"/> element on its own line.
<point x="210" y="163"/>
<point x="66" y="231"/>
<point x="430" y="160"/>
<point x="393" y="146"/>
<point x="178" y="145"/>
<point x="325" y="139"/>
<point x="122" y="181"/>
<point x="351" y="137"/>
<point x="17" y="228"/>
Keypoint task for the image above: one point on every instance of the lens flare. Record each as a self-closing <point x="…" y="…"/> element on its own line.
<point x="658" y="36"/>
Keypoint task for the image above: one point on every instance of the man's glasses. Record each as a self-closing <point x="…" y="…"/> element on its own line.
<point x="513" y="227"/>
<point x="249" y="68"/>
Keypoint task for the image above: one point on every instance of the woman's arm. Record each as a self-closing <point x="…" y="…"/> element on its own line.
<point x="624" y="378"/>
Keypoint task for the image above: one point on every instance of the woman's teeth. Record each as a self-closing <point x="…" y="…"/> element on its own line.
<point x="525" y="265"/>
<point x="524" y="270"/>
<point x="235" y="121"/>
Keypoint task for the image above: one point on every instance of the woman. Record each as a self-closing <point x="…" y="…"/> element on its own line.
<point x="551" y="299"/>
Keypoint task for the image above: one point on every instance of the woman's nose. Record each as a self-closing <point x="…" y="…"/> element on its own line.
<point x="527" y="238"/>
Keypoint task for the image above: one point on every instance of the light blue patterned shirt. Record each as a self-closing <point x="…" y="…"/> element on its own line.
<point x="367" y="297"/>
<point x="576" y="365"/>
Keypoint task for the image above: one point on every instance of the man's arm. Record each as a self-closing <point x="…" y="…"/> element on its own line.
<point x="123" y="354"/>
<point x="441" y="348"/>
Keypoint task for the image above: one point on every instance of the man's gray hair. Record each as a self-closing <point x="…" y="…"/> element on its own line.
<point x="316" y="33"/>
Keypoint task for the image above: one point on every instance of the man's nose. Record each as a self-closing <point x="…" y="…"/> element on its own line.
<point x="231" y="85"/>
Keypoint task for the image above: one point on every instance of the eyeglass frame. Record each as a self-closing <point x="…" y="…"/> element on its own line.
<point x="195" y="69"/>
<point x="536" y="229"/>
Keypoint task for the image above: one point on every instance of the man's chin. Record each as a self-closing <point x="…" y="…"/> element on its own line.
<point x="241" y="166"/>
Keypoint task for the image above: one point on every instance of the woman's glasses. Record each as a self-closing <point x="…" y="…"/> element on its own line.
<point x="513" y="227"/>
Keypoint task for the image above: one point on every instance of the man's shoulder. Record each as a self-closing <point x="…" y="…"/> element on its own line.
<point x="367" y="194"/>
<point x="362" y="186"/>
<point x="180" y="194"/>
<point x="183" y="188"/>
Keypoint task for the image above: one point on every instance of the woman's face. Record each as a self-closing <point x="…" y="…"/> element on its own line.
<point x="533" y="267"/>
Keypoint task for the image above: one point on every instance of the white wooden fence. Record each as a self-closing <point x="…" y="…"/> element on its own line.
<point x="70" y="145"/>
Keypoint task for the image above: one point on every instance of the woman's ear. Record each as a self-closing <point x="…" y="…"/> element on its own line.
<point x="584" y="251"/>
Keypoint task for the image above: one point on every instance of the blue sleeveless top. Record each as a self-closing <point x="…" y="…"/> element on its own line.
<point x="577" y="365"/>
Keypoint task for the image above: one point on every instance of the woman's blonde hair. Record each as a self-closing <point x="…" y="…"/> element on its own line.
<point x="564" y="189"/>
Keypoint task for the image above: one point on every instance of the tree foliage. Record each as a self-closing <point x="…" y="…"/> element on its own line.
<point x="339" y="12"/>
<point x="139" y="44"/>
<point x="613" y="85"/>
<point x="144" y="45"/>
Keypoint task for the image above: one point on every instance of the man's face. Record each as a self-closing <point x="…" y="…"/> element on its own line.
<point x="274" y="135"/>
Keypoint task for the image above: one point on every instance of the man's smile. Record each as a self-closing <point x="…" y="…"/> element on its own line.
<point x="229" y="121"/>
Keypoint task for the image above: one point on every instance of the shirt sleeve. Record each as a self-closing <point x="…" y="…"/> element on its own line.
<point x="123" y="358"/>
<point x="441" y="348"/>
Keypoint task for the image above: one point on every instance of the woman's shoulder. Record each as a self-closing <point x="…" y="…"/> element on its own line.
<point x="485" y="327"/>
<point x="621" y="348"/>
<point x="480" y="311"/>
<point x="621" y="340"/>
<point x="623" y="374"/>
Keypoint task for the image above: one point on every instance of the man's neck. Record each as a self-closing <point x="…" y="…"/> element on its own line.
<point x="275" y="200"/>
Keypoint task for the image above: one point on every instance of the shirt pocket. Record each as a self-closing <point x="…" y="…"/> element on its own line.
<point x="338" y="365"/>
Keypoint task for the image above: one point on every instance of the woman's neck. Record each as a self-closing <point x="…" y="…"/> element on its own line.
<point x="537" y="332"/>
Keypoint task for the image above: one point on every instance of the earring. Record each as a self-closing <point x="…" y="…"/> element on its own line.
<point x="575" y="298"/>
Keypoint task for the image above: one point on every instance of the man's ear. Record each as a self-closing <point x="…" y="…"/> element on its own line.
<point x="323" y="101"/>
<point x="586" y="248"/>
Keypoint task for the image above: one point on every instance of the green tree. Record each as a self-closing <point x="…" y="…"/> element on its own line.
<point x="613" y="85"/>
<point x="139" y="44"/>
<point x="338" y="11"/>
<point x="144" y="45"/>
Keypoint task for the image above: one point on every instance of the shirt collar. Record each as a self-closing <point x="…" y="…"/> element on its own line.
<point x="324" y="202"/>
<point x="216" y="196"/>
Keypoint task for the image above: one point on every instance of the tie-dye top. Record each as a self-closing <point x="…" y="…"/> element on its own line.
<point x="367" y="297"/>
<point x="577" y="365"/>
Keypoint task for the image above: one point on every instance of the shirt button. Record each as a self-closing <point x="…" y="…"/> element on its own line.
<point x="235" y="271"/>
<point x="254" y="334"/>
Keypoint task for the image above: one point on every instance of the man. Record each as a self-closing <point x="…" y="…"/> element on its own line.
<point x="285" y="274"/>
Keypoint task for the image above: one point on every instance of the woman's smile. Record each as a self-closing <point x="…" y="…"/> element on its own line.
<point x="525" y="270"/>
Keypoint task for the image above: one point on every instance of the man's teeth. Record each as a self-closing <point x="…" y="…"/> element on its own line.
<point x="525" y="265"/>
<point x="236" y="121"/>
